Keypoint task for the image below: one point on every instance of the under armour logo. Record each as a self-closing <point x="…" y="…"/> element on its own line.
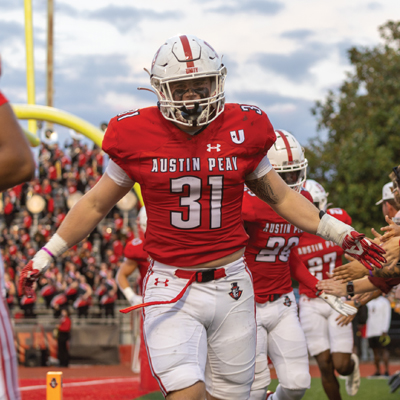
<point x="156" y="282"/>
<point x="217" y="147"/>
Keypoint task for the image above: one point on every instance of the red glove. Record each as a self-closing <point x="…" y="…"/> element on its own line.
<point x="363" y="250"/>
<point x="26" y="280"/>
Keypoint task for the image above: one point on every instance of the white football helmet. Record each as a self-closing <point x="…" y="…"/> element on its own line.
<point x="320" y="197"/>
<point x="183" y="58"/>
<point x="287" y="157"/>
<point x="141" y="221"/>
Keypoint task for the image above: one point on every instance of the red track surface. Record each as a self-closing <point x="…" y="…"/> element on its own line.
<point x="111" y="382"/>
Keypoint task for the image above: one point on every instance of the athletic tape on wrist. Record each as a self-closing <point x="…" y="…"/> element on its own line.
<point x="56" y="246"/>
<point x="128" y="293"/>
<point x="330" y="228"/>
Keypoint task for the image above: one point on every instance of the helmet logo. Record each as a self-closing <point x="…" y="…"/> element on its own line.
<point x="192" y="70"/>
<point x="237" y="139"/>
<point x="217" y="147"/>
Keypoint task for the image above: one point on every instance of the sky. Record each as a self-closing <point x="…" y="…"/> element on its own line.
<point x="281" y="55"/>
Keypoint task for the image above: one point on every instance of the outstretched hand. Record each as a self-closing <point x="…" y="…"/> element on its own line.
<point x="363" y="250"/>
<point x="350" y="271"/>
<point x="391" y="230"/>
<point x="330" y="286"/>
<point x="342" y="320"/>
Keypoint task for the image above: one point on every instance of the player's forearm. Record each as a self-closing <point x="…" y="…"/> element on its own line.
<point x="288" y="203"/>
<point x="90" y="210"/>
<point x="17" y="164"/>
<point x="80" y="221"/>
<point x="363" y="285"/>
<point x="300" y="273"/>
<point x="122" y="279"/>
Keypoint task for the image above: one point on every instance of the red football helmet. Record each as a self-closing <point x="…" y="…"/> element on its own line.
<point x="180" y="59"/>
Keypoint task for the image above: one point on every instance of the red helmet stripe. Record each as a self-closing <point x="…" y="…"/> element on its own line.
<point x="187" y="50"/>
<point x="287" y="145"/>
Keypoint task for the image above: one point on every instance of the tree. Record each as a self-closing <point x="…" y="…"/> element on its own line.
<point x="362" y="122"/>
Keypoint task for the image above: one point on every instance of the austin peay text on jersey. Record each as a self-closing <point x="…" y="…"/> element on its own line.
<point x="193" y="164"/>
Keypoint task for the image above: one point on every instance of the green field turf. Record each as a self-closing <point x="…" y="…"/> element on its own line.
<point x="370" y="389"/>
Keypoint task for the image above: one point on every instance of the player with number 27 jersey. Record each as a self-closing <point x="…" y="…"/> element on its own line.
<point x="199" y="178"/>
<point x="321" y="256"/>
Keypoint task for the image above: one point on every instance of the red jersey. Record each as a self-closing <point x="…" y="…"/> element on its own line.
<point x="321" y="256"/>
<point x="192" y="185"/>
<point x="134" y="251"/>
<point x="268" y="251"/>
<point x="3" y="99"/>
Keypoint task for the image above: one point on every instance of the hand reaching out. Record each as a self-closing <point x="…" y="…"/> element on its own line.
<point x="391" y="230"/>
<point x="330" y="286"/>
<point x="392" y="249"/>
<point x="343" y="320"/>
<point x="350" y="271"/>
<point x="363" y="250"/>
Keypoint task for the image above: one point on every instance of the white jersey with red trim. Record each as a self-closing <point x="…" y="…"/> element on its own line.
<point x="321" y="256"/>
<point x="192" y="185"/>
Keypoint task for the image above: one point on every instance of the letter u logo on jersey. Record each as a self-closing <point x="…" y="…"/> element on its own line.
<point x="237" y="139"/>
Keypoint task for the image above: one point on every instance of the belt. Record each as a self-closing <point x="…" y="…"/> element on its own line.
<point x="201" y="276"/>
<point x="272" y="297"/>
<point x="192" y="276"/>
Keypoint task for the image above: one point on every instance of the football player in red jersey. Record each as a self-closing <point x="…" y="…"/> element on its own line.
<point x="17" y="165"/>
<point x="136" y="257"/>
<point x="192" y="155"/>
<point x="272" y="263"/>
<point x="329" y="342"/>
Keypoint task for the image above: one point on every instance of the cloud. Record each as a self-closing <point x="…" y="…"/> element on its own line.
<point x="294" y="66"/>
<point x="249" y="7"/>
<point x="127" y="18"/>
<point x="374" y="6"/>
<point x="290" y="113"/>
<point x="10" y="31"/>
<point x="7" y="5"/>
<point x="65" y="9"/>
<point x="297" y="34"/>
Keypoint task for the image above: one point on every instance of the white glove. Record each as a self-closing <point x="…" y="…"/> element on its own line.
<point x="338" y="304"/>
<point x="136" y="300"/>
<point x="133" y="298"/>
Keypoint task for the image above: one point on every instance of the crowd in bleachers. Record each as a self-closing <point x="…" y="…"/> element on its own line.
<point x="85" y="274"/>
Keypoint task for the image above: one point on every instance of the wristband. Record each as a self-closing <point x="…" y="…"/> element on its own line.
<point x="55" y="246"/>
<point x="370" y="273"/>
<point x="128" y="293"/>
